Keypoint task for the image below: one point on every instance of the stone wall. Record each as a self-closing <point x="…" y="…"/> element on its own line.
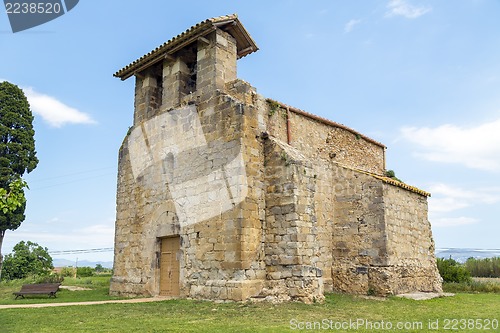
<point x="382" y="239"/>
<point x="294" y="238"/>
<point x="319" y="140"/>
<point x="359" y="241"/>
<point x="410" y="246"/>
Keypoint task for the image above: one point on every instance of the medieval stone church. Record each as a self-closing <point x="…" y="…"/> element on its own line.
<point x="224" y="194"/>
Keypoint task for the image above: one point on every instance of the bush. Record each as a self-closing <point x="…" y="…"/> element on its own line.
<point x="391" y="174"/>
<point x="84" y="271"/>
<point x="68" y="271"/>
<point x="52" y="278"/>
<point x="452" y="271"/>
<point x="27" y="259"/>
<point x="472" y="287"/>
<point x="487" y="267"/>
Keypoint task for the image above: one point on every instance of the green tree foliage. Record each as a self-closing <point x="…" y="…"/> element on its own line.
<point x="99" y="268"/>
<point x="17" y="156"/>
<point x="27" y="259"/>
<point x="487" y="267"/>
<point x="452" y="271"/>
<point x="84" y="271"/>
<point x="68" y="271"/>
<point x="391" y="174"/>
<point x="14" y="198"/>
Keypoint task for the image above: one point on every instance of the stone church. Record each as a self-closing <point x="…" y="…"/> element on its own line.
<point x="224" y="194"/>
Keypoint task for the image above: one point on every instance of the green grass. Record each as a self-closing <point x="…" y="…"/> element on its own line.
<point x="477" y="285"/>
<point x="204" y="316"/>
<point x="99" y="286"/>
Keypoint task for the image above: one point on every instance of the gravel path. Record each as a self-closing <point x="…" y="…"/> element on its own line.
<point x="121" y="301"/>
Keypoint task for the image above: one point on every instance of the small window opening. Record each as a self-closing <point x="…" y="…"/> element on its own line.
<point x="190" y="76"/>
<point x="193" y="71"/>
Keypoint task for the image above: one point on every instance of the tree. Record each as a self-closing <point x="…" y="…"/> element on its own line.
<point x="84" y="271"/>
<point x="27" y="259"/>
<point x="17" y="156"/>
<point x="13" y="199"/>
<point x="452" y="271"/>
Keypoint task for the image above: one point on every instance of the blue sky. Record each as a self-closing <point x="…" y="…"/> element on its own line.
<point x="423" y="77"/>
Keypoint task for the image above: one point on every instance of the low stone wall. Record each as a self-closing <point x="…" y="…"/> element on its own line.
<point x="382" y="238"/>
<point x="410" y="246"/>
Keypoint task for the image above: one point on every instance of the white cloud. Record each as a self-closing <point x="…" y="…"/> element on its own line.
<point x="91" y="237"/>
<point x="350" y="25"/>
<point x="474" y="147"/>
<point x="453" y="221"/>
<point x="405" y="9"/>
<point x="309" y="35"/>
<point x="55" y="112"/>
<point x="448" y="198"/>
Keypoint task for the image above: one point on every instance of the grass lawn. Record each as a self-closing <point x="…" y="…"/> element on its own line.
<point x="99" y="286"/>
<point x="204" y="316"/>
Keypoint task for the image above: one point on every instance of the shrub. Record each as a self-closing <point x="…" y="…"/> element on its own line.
<point x="472" y="287"/>
<point x="84" y="271"/>
<point x="453" y="271"/>
<point x="68" y="271"/>
<point x="52" y="278"/>
<point x="26" y="259"/>
<point x="391" y="174"/>
<point x="487" y="267"/>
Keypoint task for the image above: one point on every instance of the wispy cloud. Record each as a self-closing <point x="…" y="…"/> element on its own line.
<point x="453" y="221"/>
<point x="448" y="199"/>
<point x="474" y="147"/>
<point x="350" y="25"/>
<point x="91" y="237"/>
<point x="405" y="9"/>
<point x="55" y="112"/>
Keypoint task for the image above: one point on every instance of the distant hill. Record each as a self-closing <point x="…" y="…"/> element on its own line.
<point x="82" y="263"/>
<point x="461" y="255"/>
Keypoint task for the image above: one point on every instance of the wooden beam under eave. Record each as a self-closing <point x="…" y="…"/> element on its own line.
<point x="139" y="75"/>
<point x="203" y="40"/>
<point x="246" y="51"/>
<point x="169" y="57"/>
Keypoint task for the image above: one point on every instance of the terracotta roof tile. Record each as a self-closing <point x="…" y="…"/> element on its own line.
<point x="228" y="23"/>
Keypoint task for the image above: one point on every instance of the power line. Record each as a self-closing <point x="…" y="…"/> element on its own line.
<point x="70" y="182"/>
<point x="104" y="249"/>
<point x="71" y="174"/>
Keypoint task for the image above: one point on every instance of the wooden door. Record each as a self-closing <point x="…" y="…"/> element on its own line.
<point x="169" y="267"/>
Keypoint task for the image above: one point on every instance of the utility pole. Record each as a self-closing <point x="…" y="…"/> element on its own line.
<point x="76" y="266"/>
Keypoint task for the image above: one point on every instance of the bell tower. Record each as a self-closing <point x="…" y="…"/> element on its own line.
<point x="189" y="68"/>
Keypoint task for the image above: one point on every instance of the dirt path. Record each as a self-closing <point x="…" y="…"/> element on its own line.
<point x="121" y="301"/>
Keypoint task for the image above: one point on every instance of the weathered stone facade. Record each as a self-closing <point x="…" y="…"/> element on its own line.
<point x="267" y="201"/>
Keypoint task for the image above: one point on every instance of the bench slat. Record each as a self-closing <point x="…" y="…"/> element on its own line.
<point x="41" y="288"/>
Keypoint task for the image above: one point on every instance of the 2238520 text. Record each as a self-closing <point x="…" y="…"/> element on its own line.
<point x="33" y="8"/>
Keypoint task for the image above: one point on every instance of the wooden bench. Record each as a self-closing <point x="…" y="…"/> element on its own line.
<point x="41" y="288"/>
